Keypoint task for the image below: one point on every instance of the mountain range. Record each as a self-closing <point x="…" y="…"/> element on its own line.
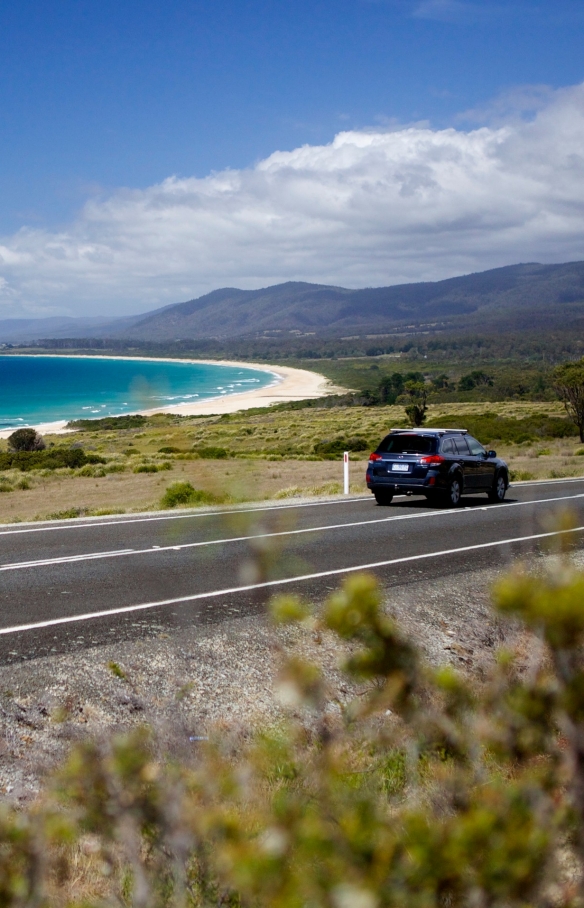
<point x="517" y="297"/>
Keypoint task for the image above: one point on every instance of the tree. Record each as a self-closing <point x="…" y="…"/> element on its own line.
<point x="568" y="381"/>
<point x="441" y="382"/>
<point x="474" y="380"/>
<point x="26" y="440"/>
<point x="390" y="387"/>
<point x="415" y="397"/>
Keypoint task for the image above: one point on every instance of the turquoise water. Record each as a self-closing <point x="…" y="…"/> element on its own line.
<point x="38" y="389"/>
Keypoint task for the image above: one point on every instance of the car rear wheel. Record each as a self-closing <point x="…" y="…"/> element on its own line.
<point x="452" y="497"/>
<point x="497" y="493"/>
<point x="383" y="498"/>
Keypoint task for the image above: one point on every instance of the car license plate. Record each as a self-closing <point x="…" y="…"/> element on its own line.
<point x="400" y="467"/>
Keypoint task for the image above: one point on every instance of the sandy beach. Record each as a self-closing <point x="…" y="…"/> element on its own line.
<point x="289" y="384"/>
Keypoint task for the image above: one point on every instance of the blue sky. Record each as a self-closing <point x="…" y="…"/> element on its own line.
<point x="98" y="98"/>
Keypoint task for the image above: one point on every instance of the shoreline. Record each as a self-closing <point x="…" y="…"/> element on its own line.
<point x="289" y="384"/>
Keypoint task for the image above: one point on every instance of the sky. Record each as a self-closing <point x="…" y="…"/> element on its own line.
<point x="151" y="152"/>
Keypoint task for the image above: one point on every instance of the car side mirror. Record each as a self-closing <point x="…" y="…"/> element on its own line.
<point x="491" y="453"/>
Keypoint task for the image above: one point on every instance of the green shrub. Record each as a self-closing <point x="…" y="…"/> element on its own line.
<point x="49" y="459"/>
<point x="489" y="428"/>
<point x="26" y="440"/>
<point x="184" y="493"/>
<point x="170" y="449"/>
<point x="212" y="452"/>
<point x="520" y="475"/>
<point x="152" y="467"/>
<point x="91" y="470"/>
<point x="67" y="514"/>
<point x="131" y="421"/>
<point x="337" y="446"/>
<point x="115" y="467"/>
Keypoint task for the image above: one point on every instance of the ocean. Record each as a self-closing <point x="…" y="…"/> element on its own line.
<point x="40" y="389"/>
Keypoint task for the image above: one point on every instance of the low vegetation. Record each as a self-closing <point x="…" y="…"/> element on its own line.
<point x="258" y="454"/>
<point x="53" y="458"/>
<point x="183" y="493"/>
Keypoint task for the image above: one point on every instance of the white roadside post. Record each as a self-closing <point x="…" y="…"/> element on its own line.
<point x="346" y="471"/>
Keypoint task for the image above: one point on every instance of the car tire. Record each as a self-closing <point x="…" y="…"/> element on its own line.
<point x="452" y="497"/>
<point x="497" y="492"/>
<point x="383" y="498"/>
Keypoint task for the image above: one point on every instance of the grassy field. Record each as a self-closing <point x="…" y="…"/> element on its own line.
<point x="256" y="456"/>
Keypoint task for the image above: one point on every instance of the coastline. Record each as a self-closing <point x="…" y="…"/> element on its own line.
<point x="289" y="384"/>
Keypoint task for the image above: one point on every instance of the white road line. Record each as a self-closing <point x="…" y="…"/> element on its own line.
<point x="75" y="524"/>
<point x="66" y="559"/>
<point x="268" y="584"/>
<point x="93" y="556"/>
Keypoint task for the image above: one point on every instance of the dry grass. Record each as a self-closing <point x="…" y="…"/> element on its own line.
<point x="270" y="456"/>
<point x="233" y="480"/>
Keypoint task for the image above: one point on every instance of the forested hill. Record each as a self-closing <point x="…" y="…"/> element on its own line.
<point x="517" y="297"/>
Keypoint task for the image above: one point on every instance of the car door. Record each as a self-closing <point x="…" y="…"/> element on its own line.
<point x="467" y="461"/>
<point x="486" y="466"/>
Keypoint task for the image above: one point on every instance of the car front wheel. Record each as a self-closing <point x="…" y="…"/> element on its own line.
<point x="497" y="493"/>
<point x="383" y="498"/>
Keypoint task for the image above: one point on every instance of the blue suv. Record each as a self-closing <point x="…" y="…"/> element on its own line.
<point x="441" y="464"/>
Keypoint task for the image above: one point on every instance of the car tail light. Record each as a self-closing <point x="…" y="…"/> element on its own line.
<point x="432" y="460"/>
<point x="375" y="457"/>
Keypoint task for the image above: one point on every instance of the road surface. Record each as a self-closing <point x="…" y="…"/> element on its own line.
<point x="73" y="583"/>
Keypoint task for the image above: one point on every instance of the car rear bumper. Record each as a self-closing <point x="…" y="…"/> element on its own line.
<point x="413" y="485"/>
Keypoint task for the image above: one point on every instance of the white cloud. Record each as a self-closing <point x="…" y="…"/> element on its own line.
<point x="371" y="208"/>
<point x="518" y="103"/>
<point x="447" y="10"/>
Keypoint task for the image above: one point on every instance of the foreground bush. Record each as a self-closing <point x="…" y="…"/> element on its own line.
<point x="422" y="793"/>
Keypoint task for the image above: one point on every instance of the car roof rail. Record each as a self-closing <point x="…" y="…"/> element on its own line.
<point x="430" y="431"/>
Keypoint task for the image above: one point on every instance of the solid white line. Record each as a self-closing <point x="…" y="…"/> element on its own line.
<point x="75" y="524"/>
<point x="214" y="594"/>
<point x="66" y="559"/>
<point x="93" y="556"/>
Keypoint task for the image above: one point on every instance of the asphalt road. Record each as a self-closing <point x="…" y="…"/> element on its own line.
<point x="76" y="583"/>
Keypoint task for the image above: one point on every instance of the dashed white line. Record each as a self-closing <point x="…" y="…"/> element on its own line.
<point x="94" y="556"/>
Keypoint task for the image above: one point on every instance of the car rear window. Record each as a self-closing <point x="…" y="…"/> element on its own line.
<point x="407" y="444"/>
